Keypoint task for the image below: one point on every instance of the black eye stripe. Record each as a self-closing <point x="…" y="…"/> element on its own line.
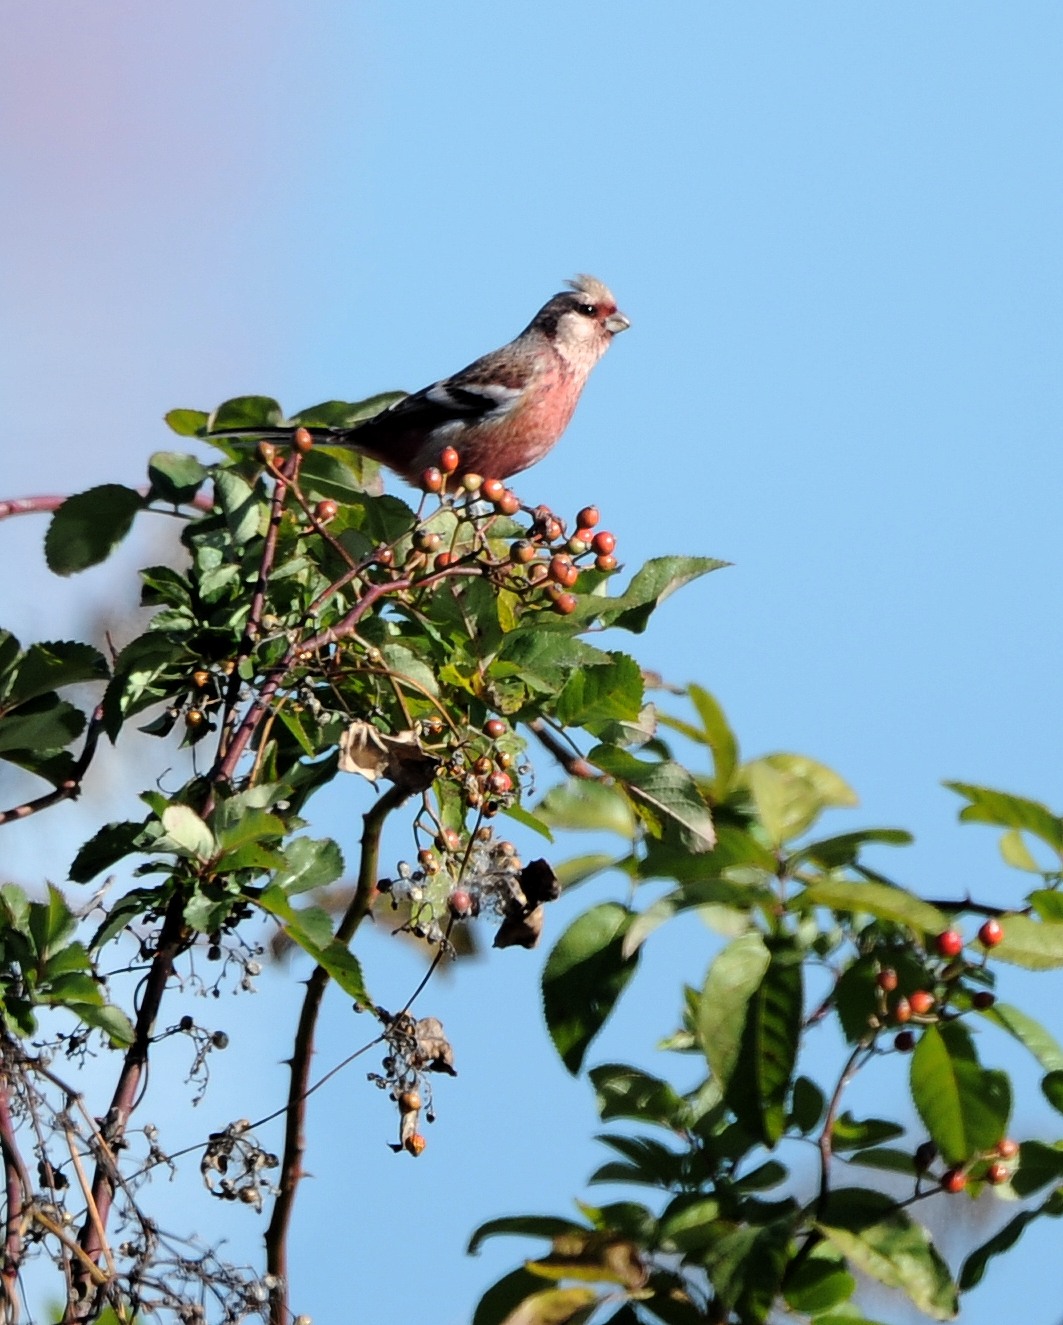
<point x="589" y="309"/>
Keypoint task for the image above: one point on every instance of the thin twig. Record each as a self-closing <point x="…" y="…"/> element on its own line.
<point x="69" y="788"/>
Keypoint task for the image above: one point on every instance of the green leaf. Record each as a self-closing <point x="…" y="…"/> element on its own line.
<point x="111" y="1020"/>
<point x="881" y="1240"/>
<point x="112" y="843"/>
<point x="881" y="900"/>
<point x="187" y="422"/>
<point x="584" y="976"/>
<point x="1016" y="853"/>
<point x="502" y="1299"/>
<point x="1039" y="1164"/>
<point x="1036" y="945"/>
<point x="87" y="527"/>
<point x="594" y="695"/>
<point x="310" y="863"/>
<point x="186" y="833"/>
<point x="50" y="924"/>
<point x="1052" y="1089"/>
<point x="791" y="791"/>
<point x="850" y="1134"/>
<point x="175" y="477"/>
<point x="690" y="1223"/>
<point x="628" y="1092"/>
<point x="697" y="896"/>
<point x="718" y="736"/>
<point x="664" y="791"/>
<point x="243" y="510"/>
<point x="818" y="1283"/>
<point x="649" y="587"/>
<point x="38" y="729"/>
<point x="592" y="806"/>
<point x="807" y="1105"/>
<point x="346" y="413"/>
<point x="50" y="666"/>
<point x="524" y="1226"/>
<point x="245" y="412"/>
<point x="773" y="1040"/>
<point x="836" y="852"/>
<point x="723" y="1012"/>
<point x="1006" y="811"/>
<point x="887" y="1158"/>
<point x="1029" y="1033"/>
<point x="964" y="1106"/>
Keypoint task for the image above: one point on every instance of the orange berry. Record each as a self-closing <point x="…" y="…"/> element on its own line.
<point x="302" y="441"/>
<point x="432" y="480"/>
<point x="587" y="518"/>
<point x="449" y="460"/>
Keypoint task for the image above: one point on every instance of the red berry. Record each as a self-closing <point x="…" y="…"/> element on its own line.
<point x="997" y="1173"/>
<point x="508" y="503"/>
<point x="448" y="840"/>
<point x="563" y="572"/>
<point x="603" y="543"/>
<point x="887" y="980"/>
<point x="949" y="943"/>
<point x="565" y="603"/>
<point x="499" y="783"/>
<point x="449" y="460"/>
<point x="302" y="441"/>
<point x="443" y="560"/>
<point x="492" y="489"/>
<point x="982" y="1000"/>
<point x="384" y="556"/>
<point x="904" y="1041"/>
<point x="902" y="1010"/>
<point x="494" y="728"/>
<point x="954" y="1180"/>
<point x="921" y="1002"/>
<point x="991" y="933"/>
<point x="1007" y="1148"/>
<point x="552" y="530"/>
<point x="521" y="552"/>
<point x="432" y="480"/>
<point x="460" y="903"/>
<point x="587" y="519"/>
<point x="325" y="510"/>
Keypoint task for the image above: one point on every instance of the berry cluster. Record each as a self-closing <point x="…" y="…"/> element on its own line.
<point x="993" y="1166"/>
<point x="415" y="1048"/>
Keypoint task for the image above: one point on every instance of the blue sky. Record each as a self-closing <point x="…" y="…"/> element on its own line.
<point x="835" y="229"/>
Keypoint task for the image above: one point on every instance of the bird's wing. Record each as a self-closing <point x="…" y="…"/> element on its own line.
<point x="446" y="402"/>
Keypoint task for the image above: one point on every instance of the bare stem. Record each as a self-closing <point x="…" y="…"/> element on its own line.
<point x="69" y="788"/>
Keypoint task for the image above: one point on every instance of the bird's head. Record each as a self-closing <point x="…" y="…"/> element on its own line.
<point x="581" y="321"/>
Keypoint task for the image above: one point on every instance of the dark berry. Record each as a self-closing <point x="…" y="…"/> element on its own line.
<point x="494" y="728"/>
<point x="904" y="1041"/>
<point x="982" y="1000"/>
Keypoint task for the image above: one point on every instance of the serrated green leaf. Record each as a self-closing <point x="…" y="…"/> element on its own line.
<point x="187" y="422"/>
<point x="88" y="526"/>
<point x="880" y="1239"/>
<point x="723" y="1011"/>
<point x="649" y="587"/>
<point x="584" y="976"/>
<point x="310" y="863"/>
<point x="1036" y="945"/>
<point x="39" y="729"/>
<point x="112" y="843"/>
<point x="1030" y="1033"/>
<point x="664" y="791"/>
<point x="790" y="792"/>
<point x="594" y="695"/>
<point x="243" y="509"/>
<point x="185" y="832"/>
<point x="881" y="900"/>
<point x="175" y="477"/>
<point x="245" y="412"/>
<point x="964" y="1106"/>
<point x="50" y="666"/>
<point x="1007" y="811"/>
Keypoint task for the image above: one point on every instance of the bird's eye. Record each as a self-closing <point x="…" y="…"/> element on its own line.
<point x="589" y="310"/>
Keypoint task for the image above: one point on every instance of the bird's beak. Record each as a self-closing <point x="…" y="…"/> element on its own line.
<point x="616" y="322"/>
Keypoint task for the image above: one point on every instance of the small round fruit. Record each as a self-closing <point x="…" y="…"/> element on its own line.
<point x="428" y="860"/>
<point x="449" y="460"/>
<point x="384" y="556"/>
<point x="904" y="1041"/>
<point x="563" y="572"/>
<point x="953" y="1180"/>
<point x="605" y="563"/>
<point x="1007" y="1148"/>
<point x="302" y="441"/>
<point x="443" y="560"/>
<point x="325" y="510"/>
<point x="588" y="517"/>
<point x="194" y="718"/>
<point x="498" y="784"/>
<point x="201" y="678"/>
<point x="921" y="1001"/>
<point x="432" y="480"/>
<point x="415" y="1144"/>
<point x="409" y="1101"/>
<point x="997" y="1173"/>
<point x="494" y="728"/>
<point x="603" y="543"/>
<point x="508" y="503"/>
<point x="220" y="1040"/>
<point x="887" y="980"/>
<point x="448" y="840"/>
<point x="552" y="530"/>
<point x="565" y="603"/>
<point x="949" y="943"/>
<point x="266" y="452"/>
<point x="521" y="552"/>
<point x="492" y="489"/>
<point x="472" y="482"/>
<point x="983" y="1000"/>
<point x="902" y="1010"/>
<point x="460" y="903"/>
<point x="991" y="933"/>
